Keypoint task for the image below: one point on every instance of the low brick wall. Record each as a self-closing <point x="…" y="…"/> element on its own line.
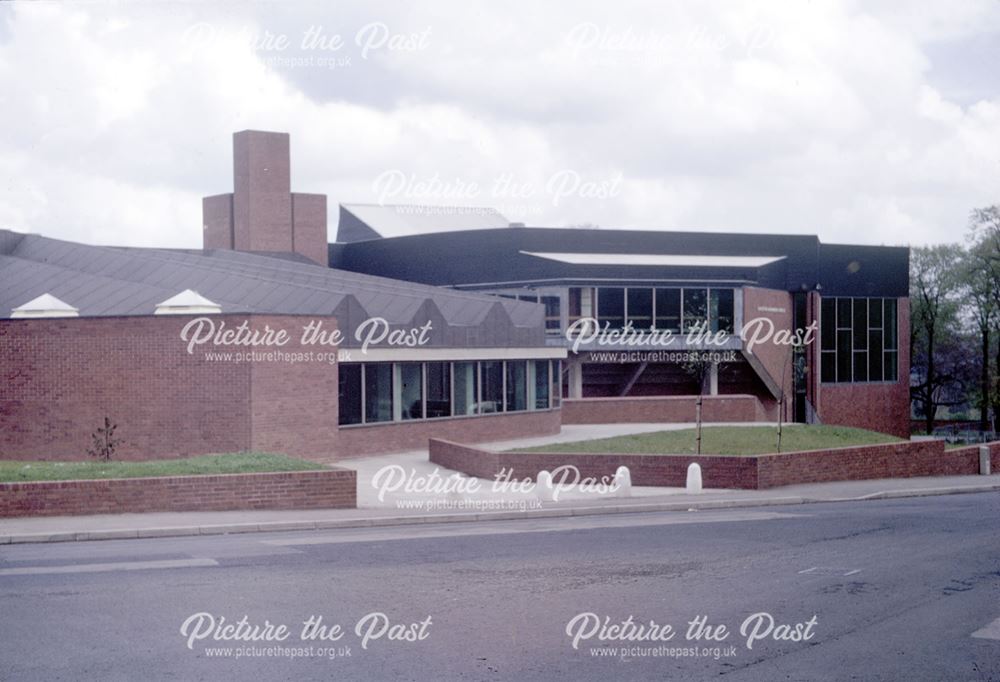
<point x="652" y="409"/>
<point x="652" y="470"/>
<point x="890" y="460"/>
<point x="334" y="488"/>
<point x="358" y="441"/>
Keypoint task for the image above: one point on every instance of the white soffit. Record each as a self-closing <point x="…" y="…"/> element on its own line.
<point x="657" y="259"/>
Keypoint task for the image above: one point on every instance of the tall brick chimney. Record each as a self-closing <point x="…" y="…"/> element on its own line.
<point x="262" y="213"/>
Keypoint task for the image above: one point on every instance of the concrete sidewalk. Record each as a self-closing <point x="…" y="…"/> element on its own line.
<point x="119" y="526"/>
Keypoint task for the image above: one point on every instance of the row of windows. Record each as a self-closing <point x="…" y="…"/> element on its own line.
<point x="400" y="391"/>
<point x="675" y="309"/>
<point x="859" y="340"/>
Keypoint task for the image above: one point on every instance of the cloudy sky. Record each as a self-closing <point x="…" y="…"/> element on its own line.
<point x="862" y="122"/>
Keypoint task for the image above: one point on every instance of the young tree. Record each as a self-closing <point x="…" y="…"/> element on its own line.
<point x="935" y="283"/>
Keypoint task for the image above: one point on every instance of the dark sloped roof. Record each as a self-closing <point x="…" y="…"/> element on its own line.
<point x="108" y="281"/>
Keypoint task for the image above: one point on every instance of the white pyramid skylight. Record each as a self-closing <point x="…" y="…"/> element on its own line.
<point x="45" y="305"/>
<point x="187" y="302"/>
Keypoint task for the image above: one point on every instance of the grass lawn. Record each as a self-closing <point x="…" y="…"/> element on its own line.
<point x="725" y="440"/>
<point x="238" y="463"/>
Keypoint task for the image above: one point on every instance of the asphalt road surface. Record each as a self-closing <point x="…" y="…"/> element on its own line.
<point x="905" y="589"/>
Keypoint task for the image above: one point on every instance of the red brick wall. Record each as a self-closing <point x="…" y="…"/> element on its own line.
<point x="891" y="460"/>
<point x="652" y="470"/>
<point x="397" y="437"/>
<point x="328" y="489"/>
<point x="881" y="407"/>
<point x="723" y="408"/>
<point x="62" y="376"/>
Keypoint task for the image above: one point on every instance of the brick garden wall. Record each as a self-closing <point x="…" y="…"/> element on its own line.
<point x="721" y="408"/>
<point x="328" y="489"/>
<point x="890" y="460"/>
<point x="397" y="437"/>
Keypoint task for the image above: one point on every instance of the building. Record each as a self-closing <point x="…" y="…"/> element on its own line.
<point x="95" y="331"/>
<point x="854" y="372"/>
<point x="451" y="323"/>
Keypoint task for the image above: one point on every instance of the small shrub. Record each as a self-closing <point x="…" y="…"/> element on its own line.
<point x="104" y="441"/>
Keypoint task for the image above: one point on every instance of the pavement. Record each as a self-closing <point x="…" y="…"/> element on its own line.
<point x="405" y="507"/>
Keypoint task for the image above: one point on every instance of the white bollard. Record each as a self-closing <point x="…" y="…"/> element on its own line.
<point x="543" y="482"/>
<point x="623" y="481"/>
<point x="694" y="479"/>
<point x="984" y="460"/>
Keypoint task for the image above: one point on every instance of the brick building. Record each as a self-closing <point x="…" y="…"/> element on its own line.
<point x="452" y="324"/>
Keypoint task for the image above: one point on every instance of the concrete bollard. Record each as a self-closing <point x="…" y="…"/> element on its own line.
<point x="984" y="460"/>
<point x="543" y="482"/>
<point x="694" y="479"/>
<point x="623" y="480"/>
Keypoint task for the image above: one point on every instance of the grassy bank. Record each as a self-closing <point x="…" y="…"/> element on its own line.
<point x="237" y="463"/>
<point x="725" y="440"/>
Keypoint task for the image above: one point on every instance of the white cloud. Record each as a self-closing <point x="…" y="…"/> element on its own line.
<point x="787" y="116"/>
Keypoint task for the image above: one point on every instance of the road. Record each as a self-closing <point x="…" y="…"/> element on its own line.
<point x="895" y="590"/>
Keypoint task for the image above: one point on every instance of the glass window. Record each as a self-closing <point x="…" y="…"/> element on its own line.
<point x="891" y="367"/>
<point x="378" y="392"/>
<point x="640" y="308"/>
<point x="466" y="387"/>
<point x="829" y="366"/>
<point x="542" y="384"/>
<point x="349" y="394"/>
<point x="859" y="339"/>
<point x="438" y="389"/>
<point x="695" y="308"/>
<point x="517" y="385"/>
<point x="491" y="390"/>
<point x="553" y="323"/>
<point x="828" y="319"/>
<point x="891" y="340"/>
<point x="722" y="310"/>
<point x="557" y="386"/>
<point x="668" y="309"/>
<point x="411" y="390"/>
<point x="611" y="307"/>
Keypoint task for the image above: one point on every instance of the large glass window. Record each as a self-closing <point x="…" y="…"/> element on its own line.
<point x="668" y="309"/>
<point x="349" y="394"/>
<point x="858" y="340"/>
<point x="611" y="307"/>
<point x="640" y="308"/>
<point x="543" y="383"/>
<point x="695" y="309"/>
<point x="378" y="392"/>
<point x="491" y="390"/>
<point x="466" y="387"/>
<point x="438" y="389"/>
<point x="722" y="309"/>
<point x="411" y="390"/>
<point x="517" y="385"/>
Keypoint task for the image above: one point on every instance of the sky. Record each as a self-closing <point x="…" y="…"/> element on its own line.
<point x="862" y="122"/>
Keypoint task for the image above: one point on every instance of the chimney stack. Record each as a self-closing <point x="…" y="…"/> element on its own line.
<point x="262" y="213"/>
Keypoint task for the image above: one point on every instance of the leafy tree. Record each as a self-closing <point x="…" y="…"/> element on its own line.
<point x="980" y="297"/>
<point x="935" y="286"/>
